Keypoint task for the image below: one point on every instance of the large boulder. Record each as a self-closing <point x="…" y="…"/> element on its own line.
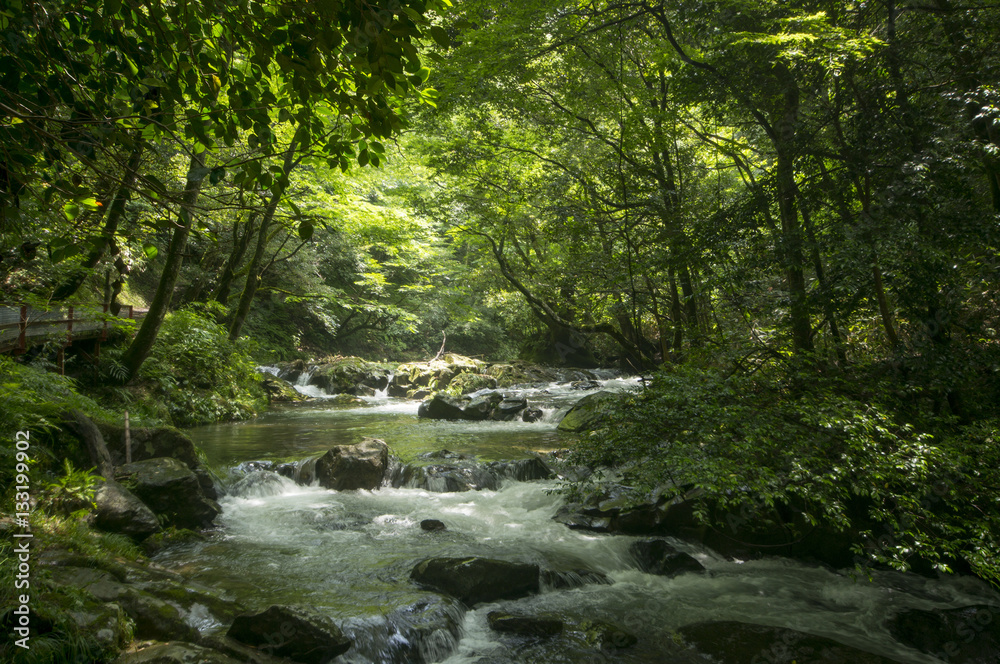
<point x="350" y="375"/>
<point x="744" y="643"/>
<point x="118" y="510"/>
<point x="968" y="635"/>
<point x="590" y="412"/>
<point x="171" y="490"/>
<point x="476" y="580"/>
<point x="442" y="407"/>
<point x="658" y="557"/>
<point x="350" y="467"/>
<point x="150" y="443"/>
<point x="294" y="632"/>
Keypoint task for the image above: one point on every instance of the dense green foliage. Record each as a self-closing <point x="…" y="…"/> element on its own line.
<point x="850" y="451"/>
<point x="200" y="374"/>
<point x="789" y="211"/>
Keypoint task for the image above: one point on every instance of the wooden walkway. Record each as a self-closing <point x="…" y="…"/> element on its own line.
<point x="22" y="327"/>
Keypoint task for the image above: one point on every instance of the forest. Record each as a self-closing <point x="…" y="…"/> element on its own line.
<point x="783" y="218"/>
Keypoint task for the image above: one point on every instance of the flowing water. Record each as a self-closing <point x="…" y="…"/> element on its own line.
<point x="349" y="554"/>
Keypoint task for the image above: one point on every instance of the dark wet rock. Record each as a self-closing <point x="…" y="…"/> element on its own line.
<point x="297" y="633"/>
<point x="118" y="510"/>
<point x="522" y="625"/>
<point x="585" y="385"/>
<point x="480" y="408"/>
<point x="290" y="371"/>
<point x="176" y="652"/>
<point x="207" y="483"/>
<point x="442" y="407"/>
<point x="351" y="467"/>
<point x="475" y="580"/>
<point x="968" y="635"/>
<point x="171" y="490"/>
<point x="658" y="557"/>
<point x="744" y="643"/>
<point x="418" y="394"/>
<point x="531" y="414"/>
<point x="574" y="578"/>
<point x="589" y="413"/>
<point x="509" y="409"/>
<point x="432" y="525"/>
<point x="522" y="470"/>
<point x="250" y="466"/>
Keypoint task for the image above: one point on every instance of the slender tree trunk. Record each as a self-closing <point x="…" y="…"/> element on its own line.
<point x="115" y="212"/>
<point x="254" y="271"/>
<point x="240" y="245"/>
<point x="824" y="287"/>
<point x="791" y="232"/>
<point x="675" y="312"/>
<point x="139" y="350"/>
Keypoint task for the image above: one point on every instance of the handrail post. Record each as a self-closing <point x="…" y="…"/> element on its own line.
<point x="22" y="338"/>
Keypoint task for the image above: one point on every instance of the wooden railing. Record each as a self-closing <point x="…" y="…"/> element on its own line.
<point x="24" y="326"/>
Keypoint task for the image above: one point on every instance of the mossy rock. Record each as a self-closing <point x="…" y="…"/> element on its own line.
<point x="466" y="383"/>
<point x="589" y="413"/>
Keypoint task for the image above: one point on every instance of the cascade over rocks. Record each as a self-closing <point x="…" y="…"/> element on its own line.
<point x="490" y="406"/>
<point x="658" y="557"/>
<point x="450" y="472"/>
<point x="475" y="580"/>
<point x="350" y="467"/>
<point x="170" y="489"/>
<point x="297" y="633"/>
<point x="350" y="375"/>
<point x="744" y="643"/>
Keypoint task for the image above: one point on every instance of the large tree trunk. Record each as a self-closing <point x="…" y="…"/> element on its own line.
<point x="115" y="212"/>
<point x="254" y="271"/>
<point x="139" y="350"/>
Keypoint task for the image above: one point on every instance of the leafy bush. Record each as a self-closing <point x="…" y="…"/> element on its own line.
<point x="775" y="441"/>
<point x="202" y="375"/>
<point x="72" y="492"/>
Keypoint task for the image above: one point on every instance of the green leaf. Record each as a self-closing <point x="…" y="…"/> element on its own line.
<point x="306" y="231"/>
<point x="440" y="35"/>
<point x="150" y="250"/>
<point x="71" y="211"/>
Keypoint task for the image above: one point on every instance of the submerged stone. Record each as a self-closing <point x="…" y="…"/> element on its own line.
<point x="543" y="625"/>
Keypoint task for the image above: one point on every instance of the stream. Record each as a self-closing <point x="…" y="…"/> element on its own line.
<point x="349" y="554"/>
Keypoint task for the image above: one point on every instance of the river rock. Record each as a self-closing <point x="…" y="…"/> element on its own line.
<point x="294" y="632"/>
<point x="509" y="409"/>
<point x="432" y="525"/>
<point x="118" y="510"/>
<point x="176" y="652"/>
<point x="608" y="636"/>
<point x="171" y="490"/>
<point x="969" y="635"/>
<point x="350" y="375"/>
<point x="531" y="414"/>
<point x="475" y="580"/>
<point x="150" y="443"/>
<point x="590" y="412"/>
<point x="442" y="407"/>
<point x="257" y="484"/>
<point x="467" y="383"/>
<point x="281" y="391"/>
<point x="584" y="385"/>
<point x="658" y="557"/>
<point x="744" y="643"/>
<point x="351" y="467"/>
<point x="542" y="625"/>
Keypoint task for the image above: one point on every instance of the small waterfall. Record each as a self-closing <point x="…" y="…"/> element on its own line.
<point x="274" y="371"/>
<point x="302" y="385"/>
<point x="384" y="392"/>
